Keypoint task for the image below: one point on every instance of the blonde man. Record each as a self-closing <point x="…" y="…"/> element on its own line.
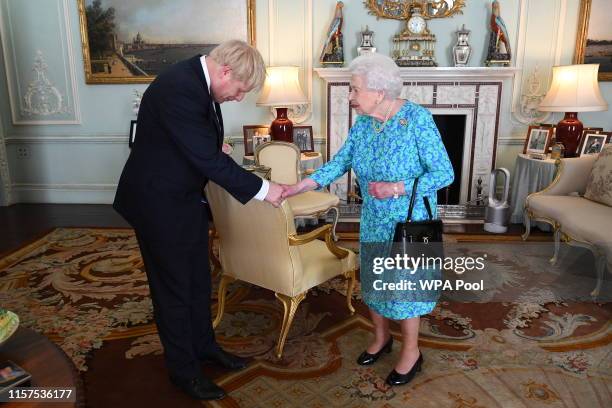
<point x="176" y="151"/>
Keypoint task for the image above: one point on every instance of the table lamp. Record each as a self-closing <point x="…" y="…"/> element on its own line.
<point x="573" y="89"/>
<point x="281" y="89"/>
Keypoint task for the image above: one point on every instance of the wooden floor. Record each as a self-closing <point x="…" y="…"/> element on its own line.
<point x="22" y="223"/>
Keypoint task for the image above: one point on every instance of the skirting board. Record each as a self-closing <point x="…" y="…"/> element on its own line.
<point x="64" y="194"/>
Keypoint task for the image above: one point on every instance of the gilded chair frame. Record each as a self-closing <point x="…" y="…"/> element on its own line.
<point x="291" y="303"/>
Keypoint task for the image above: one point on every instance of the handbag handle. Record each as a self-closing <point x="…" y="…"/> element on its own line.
<point x="413" y="197"/>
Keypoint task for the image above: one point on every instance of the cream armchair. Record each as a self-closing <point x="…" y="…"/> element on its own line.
<point x="284" y="161"/>
<point x="574" y="219"/>
<point x="258" y="244"/>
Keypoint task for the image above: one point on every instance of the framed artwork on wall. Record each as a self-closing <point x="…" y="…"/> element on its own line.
<point x="127" y="42"/>
<point x="132" y="136"/>
<point x="254" y="135"/>
<point x="303" y="138"/>
<point x="593" y="141"/>
<point x="594" y="39"/>
<point x="538" y="139"/>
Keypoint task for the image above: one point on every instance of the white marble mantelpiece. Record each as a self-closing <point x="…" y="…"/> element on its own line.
<point x="429" y="73"/>
<point x="475" y="92"/>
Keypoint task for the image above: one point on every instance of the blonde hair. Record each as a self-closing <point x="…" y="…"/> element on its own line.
<point x="246" y="62"/>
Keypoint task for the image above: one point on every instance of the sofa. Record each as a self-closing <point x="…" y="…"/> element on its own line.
<point x="578" y="206"/>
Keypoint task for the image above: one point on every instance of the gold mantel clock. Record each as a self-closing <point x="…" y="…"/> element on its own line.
<point x="414" y="46"/>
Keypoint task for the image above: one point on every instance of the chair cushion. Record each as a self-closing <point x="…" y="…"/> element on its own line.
<point x="581" y="219"/>
<point x="312" y="202"/>
<point x="320" y="265"/>
<point x="599" y="186"/>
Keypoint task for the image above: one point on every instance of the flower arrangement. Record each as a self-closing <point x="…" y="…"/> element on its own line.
<point x="136" y="101"/>
<point x="228" y="146"/>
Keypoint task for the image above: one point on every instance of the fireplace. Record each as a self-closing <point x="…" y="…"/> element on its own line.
<point x="452" y="130"/>
<point x="465" y="103"/>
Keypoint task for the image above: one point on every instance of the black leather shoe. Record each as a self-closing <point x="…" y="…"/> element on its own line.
<point x="395" y="378"/>
<point x="366" y="358"/>
<point x="199" y="388"/>
<point x="224" y="359"/>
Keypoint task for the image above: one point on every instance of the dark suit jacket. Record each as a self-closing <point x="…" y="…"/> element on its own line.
<point x="176" y="151"/>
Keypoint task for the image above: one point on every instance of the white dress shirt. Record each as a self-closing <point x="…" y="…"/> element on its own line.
<point x="265" y="185"/>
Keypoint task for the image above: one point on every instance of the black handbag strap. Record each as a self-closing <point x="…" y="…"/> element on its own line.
<point x="412" y="199"/>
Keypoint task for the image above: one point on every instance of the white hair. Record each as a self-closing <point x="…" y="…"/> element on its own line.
<point x="379" y="72"/>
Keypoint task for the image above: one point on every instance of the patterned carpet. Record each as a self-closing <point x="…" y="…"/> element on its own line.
<point x="86" y="290"/>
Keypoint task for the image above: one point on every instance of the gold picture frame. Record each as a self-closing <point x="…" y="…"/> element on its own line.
<point x="581" y="56"/>
<point x="400" y="9"/>
<point x="135" y="67"/>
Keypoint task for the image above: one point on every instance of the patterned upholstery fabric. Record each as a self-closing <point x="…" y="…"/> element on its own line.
<point x="599" y="187"/>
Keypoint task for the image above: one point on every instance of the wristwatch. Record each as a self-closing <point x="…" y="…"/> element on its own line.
<point x="395" y="191"/>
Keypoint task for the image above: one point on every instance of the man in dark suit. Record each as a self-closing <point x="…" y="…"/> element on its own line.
<point x="176" y="151"/>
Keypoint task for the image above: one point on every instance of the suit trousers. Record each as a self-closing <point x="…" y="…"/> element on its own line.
<point x="180" y="285"/>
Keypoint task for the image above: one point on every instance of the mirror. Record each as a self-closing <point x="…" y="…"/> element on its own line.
<point x="400" y="9"/>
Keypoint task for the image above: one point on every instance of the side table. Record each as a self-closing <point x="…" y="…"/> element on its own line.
<point x="47" y="364"/>
<point x="309" y="161"/>
<point x="530" y="175"/>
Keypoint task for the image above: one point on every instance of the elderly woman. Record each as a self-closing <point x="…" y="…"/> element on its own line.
<point x="392" y="142"/>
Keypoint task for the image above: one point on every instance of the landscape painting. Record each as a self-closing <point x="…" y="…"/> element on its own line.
<point x="594" y="41"/>
<point x="133" y="41"/>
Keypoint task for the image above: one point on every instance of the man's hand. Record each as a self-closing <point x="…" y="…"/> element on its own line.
<point x="383" y="189"/>
<point x="275" y="194"/>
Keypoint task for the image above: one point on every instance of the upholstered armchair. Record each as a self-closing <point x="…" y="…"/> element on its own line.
<point x="284" y="160"/>
<point x="576" y="218"/>
<point x="258" y="244"/>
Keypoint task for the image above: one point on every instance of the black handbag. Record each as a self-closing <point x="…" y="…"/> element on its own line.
<point x="417" y="238"/>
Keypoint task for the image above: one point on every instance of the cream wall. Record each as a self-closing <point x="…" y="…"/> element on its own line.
<point x="77" y="156"/>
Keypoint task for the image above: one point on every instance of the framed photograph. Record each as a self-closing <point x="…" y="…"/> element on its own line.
<point x="253" y="134"/>
<point x="538" y="139"/>
<point x="126" y="42"/>
<point x="303" y="138"/>
<point x="554" y="134"/>
<point x="132" y="137"/>
<point x="594" y="39"/>
<point x="593" y="142"/>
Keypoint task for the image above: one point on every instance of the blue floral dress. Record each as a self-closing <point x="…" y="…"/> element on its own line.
<point x="408" y="146"/>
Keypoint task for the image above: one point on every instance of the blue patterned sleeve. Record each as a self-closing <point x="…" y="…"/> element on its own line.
<point x="338" y="165"/>
<point x="437" y="167"/>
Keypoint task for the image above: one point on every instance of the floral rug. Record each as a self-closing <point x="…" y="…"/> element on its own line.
<point x="86" y="290"/>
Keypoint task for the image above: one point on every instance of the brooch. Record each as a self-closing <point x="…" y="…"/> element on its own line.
<point x="403" y="122"/>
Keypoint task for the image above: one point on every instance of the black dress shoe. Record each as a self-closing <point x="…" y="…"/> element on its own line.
<point x="396" y="378"/>
<point x="366" y="358"/>
<point x="225" y="359"/>
<point x="199" y="388"/>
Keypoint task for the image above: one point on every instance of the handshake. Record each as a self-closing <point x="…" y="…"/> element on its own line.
<point x="278" y="192"/>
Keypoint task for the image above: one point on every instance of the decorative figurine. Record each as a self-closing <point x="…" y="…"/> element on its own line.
<point x="414" y="46"/>
<point x="333" y="48"/>
<point x="366" y="46"/>
<point x="462" y="51"/>
<point x="499" y="41"/>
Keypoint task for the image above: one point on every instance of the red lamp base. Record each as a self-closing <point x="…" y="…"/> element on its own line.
<point x="568" y="133"/>
<point x="282" y="128"/>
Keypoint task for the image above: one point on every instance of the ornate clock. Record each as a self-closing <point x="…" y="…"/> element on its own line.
<point x="414" y="46"/>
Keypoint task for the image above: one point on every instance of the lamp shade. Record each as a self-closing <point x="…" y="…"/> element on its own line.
<point x="574" y="88"/>
<point x="282" y="88"/>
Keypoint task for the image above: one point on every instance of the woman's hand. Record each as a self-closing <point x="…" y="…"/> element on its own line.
<point x="305" y="185"/>
<point x="383" y="189"/>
